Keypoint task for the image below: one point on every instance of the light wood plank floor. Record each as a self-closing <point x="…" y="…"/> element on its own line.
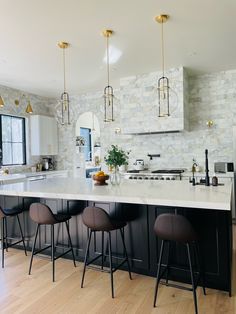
<point x="20" y="293"/>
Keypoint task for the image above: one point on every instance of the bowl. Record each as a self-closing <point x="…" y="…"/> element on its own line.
<point x="100" y="180"/>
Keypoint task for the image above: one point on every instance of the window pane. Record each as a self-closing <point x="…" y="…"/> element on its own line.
<point x="87" y="149"/>
<point x="17" y="153"/>
<point x="17" y="133"/>
<point x="6" y="129"/>
<point x="6" y="153"/>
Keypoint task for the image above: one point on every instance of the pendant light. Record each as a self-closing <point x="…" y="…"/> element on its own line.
<point x="63" y="112"/>
<point x="163" y="82"/>
<point x="108" y="90"/>
<point x="1" y="102"/>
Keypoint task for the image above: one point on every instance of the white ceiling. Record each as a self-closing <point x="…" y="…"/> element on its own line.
<point x="199" y="35"/>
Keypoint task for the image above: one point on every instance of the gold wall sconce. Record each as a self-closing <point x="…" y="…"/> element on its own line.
<point x="209" y="123"/>
<point x="1" y="102"/>
<point x="28" y="108"/>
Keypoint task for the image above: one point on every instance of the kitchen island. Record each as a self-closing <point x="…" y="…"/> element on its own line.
<point x="139" y="203"/>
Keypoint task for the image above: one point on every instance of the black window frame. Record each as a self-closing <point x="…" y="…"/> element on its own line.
<point x="23" y="140"/>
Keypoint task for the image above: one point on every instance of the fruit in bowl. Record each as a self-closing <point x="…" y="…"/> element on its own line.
<point x="100" y="178"/>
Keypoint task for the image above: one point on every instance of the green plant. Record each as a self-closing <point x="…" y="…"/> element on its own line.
<point x="116" y="156"/>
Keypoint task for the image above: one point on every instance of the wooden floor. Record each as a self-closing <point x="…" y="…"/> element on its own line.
<point x="20" y="293"/>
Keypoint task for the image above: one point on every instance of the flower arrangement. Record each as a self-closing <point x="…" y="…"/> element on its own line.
<point x="116" y="157"/>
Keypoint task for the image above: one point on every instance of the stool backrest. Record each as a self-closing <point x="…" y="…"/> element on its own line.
<point x="96" y="218"/>
<point x="174" y="228"/>
<point x="41" y="214"/>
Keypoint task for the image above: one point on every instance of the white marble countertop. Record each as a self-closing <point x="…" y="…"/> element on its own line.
<point x="165" y="193"/>
<point x="23" y="175"/>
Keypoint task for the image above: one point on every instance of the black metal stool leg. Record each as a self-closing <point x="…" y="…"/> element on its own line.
<point x="53" y="252"/>
<point x="167" y="265"/>
<point x="192" y="278"/>
<point x="6" y="244"/>
<point x="33" y="248"/>
<point x="125" y="251"/>
<point x="22" y="236"/>
<point x="158" y="273"/>
<point x="102" y="249"/>
<point x="86" y="257"/>
<point x="111" y="269"/>
<point x="70" y="242"/>
<point x="2" y="238"/>
<point x="200" y="266"/>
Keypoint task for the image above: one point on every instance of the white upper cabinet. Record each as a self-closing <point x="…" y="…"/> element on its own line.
<point x="44" y="136"/>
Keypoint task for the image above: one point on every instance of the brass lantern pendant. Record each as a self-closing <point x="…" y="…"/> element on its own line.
<point x="163" y="82"/>
<point x="108" y="90"/>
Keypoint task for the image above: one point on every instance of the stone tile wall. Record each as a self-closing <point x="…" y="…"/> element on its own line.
<point x="40" y="105"/>
<point x="210" y="97"/>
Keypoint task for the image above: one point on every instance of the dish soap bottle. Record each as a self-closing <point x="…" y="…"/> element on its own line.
<point x="214" y="180"/>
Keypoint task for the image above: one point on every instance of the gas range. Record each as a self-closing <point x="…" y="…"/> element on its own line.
<point x="161" y="174"/>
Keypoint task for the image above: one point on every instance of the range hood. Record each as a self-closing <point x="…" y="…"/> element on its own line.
<point x="139" y="104"/>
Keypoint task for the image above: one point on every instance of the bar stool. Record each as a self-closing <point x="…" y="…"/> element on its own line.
<point x="172" y="227"/>
<point x="4" y="213"/>
<point x="96" y="219"/>
<point x="42" y="215"/>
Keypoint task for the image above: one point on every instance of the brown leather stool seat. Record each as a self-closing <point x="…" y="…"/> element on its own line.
<point x="41" y="214"/>
<point x="96" y="219"/>
<point x="174" y="228"/>
<point x="4" y="213"/>
<point x="177" y="228"/>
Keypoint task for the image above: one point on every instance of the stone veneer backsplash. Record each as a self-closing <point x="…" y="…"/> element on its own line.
<point x="210" y="97"/>
<point x="40" y="105"/>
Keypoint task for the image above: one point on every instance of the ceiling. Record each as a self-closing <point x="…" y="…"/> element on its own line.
<point x="200" y="35"/>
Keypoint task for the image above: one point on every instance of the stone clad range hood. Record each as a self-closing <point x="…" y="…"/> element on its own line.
<point x="139" y="104"/>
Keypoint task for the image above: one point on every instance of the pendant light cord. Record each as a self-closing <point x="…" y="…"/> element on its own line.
<point x="64" y="69"/>
<point x="108" y="61"/>
<point x="162" y="49"/>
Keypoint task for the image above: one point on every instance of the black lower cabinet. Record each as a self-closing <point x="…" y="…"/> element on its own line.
<point x="214" y="228"/>
<point x="215" y="241"/>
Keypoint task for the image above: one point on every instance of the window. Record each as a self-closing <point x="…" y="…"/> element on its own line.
<point x="12" y="140"/>
<point x="86" y="133"/>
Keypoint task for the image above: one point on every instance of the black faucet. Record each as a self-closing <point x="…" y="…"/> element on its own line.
<point x="153" y="155"/>
<point x="207" y="179"/>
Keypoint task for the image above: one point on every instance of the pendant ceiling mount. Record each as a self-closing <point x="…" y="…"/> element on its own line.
<point x="107" y="32"/>
<point x="162" y="18"/>
<point x="63" y="44"/>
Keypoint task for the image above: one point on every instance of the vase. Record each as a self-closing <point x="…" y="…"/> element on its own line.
<point x="115" y="176"/>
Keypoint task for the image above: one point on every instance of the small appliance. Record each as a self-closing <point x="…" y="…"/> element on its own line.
<point x="139" y="164"/>
<point x="223" y="167"/>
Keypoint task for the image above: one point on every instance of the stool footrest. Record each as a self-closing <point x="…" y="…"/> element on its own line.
<point x="94" y="259"/>
<point x="176" y="286"/>
<point x="12" y="244"/>
<point x="105" y="271"/>
<point x="41" y="250"/>
<point x="62" y="254"/>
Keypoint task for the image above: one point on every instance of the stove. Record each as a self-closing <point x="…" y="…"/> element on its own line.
<point x="161" y="174"/>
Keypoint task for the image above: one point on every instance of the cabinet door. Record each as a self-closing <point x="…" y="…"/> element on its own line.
<point x="44" y="137"/>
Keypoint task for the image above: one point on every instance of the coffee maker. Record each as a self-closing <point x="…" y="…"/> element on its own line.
<point x="45" y="164"/>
